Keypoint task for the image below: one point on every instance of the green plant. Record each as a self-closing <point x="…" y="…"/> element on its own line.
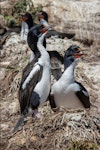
<point x="10" y="21"/>
<point x="19" y="7"/>
<point x="34" y="11"/>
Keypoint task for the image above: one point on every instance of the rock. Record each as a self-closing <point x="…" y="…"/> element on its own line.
<point x="2" y="32"/>
<point x="75" y="17"/>
<point x="2" y="73"/>
<point x="14" y="39"/>
<point x="2" y="22"/>
<point x="5" y="8"/>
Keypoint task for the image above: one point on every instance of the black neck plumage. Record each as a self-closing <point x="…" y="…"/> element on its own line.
<point x="68" y="61"/>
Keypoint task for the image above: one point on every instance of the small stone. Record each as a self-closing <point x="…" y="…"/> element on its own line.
<point x="4" y="126"/>
<point x="74" y="116"/>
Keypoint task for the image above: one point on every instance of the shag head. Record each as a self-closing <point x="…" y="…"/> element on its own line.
<point x="27" y="17"/>
<point x="43" y="18"/>
<point x="73" y="50"/>
<point x="42" y="34"/>
<point x="72" y="53"/>
<point x="43" y="15"/>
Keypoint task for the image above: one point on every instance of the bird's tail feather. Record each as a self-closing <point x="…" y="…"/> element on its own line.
<point x="19" y="123"/>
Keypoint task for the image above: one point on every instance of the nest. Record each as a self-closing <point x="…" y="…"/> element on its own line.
<point x="55" y="131"/>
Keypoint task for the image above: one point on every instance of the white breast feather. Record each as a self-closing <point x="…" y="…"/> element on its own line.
<point x="32" y="56"/>
<point x="43" y="86"/>
<point x="34" y="70"/>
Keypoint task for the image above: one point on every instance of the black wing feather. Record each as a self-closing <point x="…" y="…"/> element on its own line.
<point x="27" y="69"/>
<point x="82" y="97"/>
<point x="56" y="62"/>
<point x="24" y="95"/>
<point x="55" y="54"/>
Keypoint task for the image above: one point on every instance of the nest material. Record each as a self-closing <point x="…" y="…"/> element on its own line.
<point x="56" y="131"/>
